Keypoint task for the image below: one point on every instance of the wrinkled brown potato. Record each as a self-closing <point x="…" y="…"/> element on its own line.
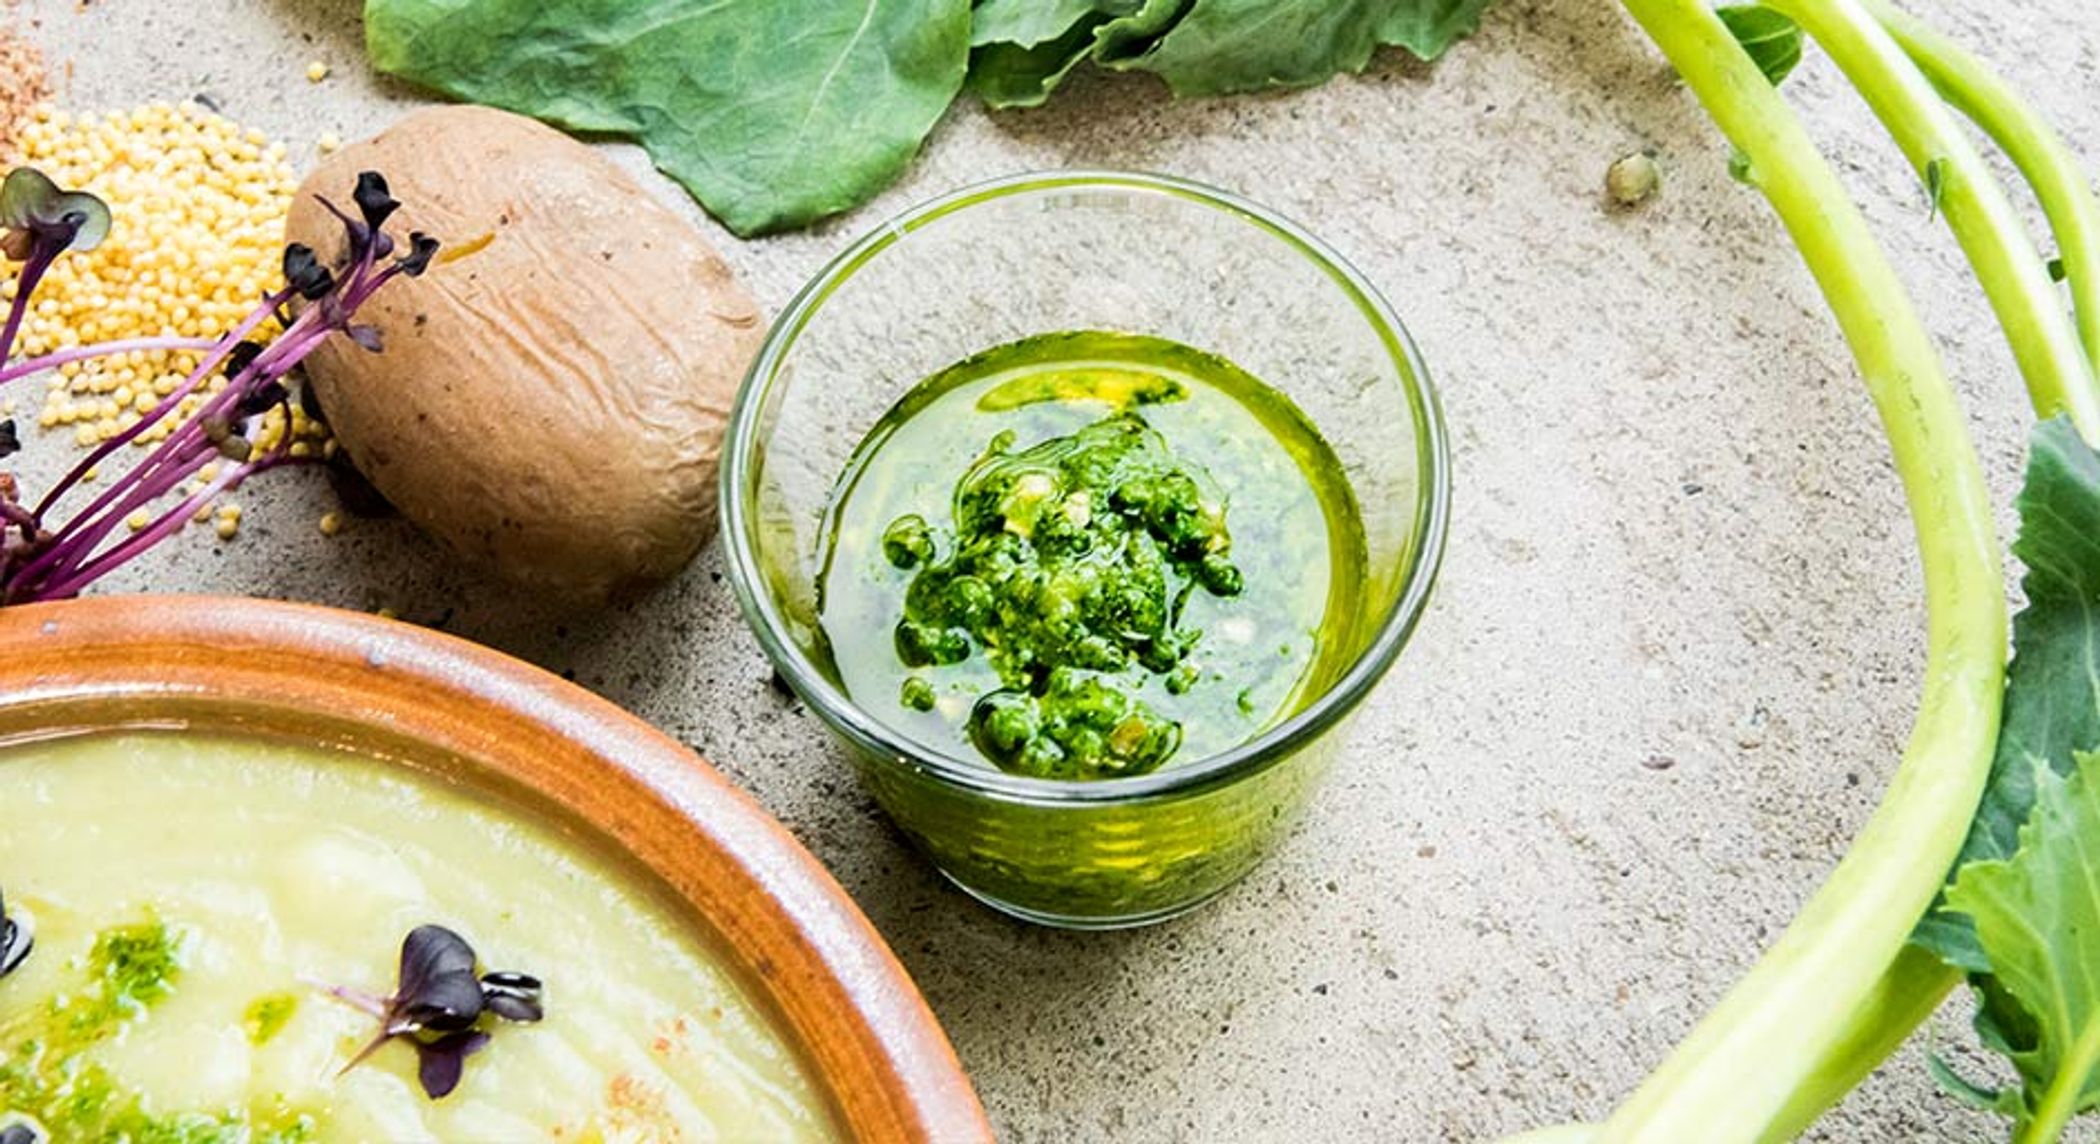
<point x="552" y="393"/>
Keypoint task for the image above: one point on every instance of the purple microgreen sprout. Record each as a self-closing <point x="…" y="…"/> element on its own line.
<point x="44" y="558"/>
<point x="438" y="1001"/>
<point x="17" y="935"/>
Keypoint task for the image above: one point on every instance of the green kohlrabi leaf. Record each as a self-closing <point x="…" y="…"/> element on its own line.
<point x="2052" y="697"/>
<point x="1127" y="38"/>
<point x="774" y="113"/>
<point x="2037" y="916"/>
<point x="1009" y="75"/>
<point x="1224" y="46"/>
<point x="1428" y="28"/>
<point x="1773" y="40"/>
<point x="1026" y="23"/>
<point x="1024" y="48"/>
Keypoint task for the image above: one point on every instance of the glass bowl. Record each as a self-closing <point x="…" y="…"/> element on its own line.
<point x="1082" y="250"/>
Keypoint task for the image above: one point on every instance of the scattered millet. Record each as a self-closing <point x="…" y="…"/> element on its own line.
<point x="199" y="205"/>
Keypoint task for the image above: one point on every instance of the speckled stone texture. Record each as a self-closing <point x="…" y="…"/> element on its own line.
<point x="1666" y="677"/>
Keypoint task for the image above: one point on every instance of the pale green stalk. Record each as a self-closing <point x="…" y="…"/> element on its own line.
<point x="2061" y="1102"/>
<point x="1742" y="1070"/>
<point x="2044" y="161"/>
<point x="2012" y="272"/>
<point x="1905" y="996"/>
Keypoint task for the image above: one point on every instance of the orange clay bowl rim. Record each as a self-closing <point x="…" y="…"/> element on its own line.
<point x="399" y="692"/>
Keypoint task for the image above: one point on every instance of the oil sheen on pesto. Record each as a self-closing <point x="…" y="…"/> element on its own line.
<point x="1088" y="555"/>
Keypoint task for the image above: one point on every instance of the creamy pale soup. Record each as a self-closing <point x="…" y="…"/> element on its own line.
<point x="193" y="896"/>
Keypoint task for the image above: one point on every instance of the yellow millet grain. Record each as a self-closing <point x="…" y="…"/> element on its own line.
<point x="198" y="206"/>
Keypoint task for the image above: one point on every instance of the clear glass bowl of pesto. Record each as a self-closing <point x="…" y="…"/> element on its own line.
<point x="1083" y="507"/>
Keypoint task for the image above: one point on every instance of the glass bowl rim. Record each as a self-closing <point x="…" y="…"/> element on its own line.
<point x="1427" y="535"/>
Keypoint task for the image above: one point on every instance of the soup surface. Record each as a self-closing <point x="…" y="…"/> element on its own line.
<point x="192" y="896"/>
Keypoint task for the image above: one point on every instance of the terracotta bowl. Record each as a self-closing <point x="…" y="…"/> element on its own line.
<point x="439" y="704"/>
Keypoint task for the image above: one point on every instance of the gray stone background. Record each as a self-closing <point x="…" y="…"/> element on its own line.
<point x="1667" y="674"/>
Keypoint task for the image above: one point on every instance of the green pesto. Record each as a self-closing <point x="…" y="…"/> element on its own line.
<point x="1077" y="557"/>
<point x="49" y="1072"/>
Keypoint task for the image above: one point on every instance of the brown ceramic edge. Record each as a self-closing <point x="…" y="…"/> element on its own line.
<point x="887" y="1066"/>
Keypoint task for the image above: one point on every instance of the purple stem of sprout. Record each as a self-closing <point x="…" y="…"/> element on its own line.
<point x="355" y="998"/>
<point x="203" y="369"/>
<point x="56" y="358"/>
<point x="67" y="563"/>
<point x="366" y="1002"/>
<point x="25" y="287"/>
<point x="158" y="474"/>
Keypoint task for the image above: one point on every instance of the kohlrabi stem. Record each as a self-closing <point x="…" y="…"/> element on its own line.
<point x="2063" y="1099"/>
<point x="2044" y="161"/>
<point x="1745" y="1065"/>
<point x="2012" y="272"/>
<point x="1901" y="1001"/>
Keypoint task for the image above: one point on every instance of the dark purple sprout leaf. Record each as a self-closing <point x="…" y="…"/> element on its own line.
<point x="21" y="1132"/>
<point x="303" y="272"/>
<point x="241" y="356"/>
<point x="420" y="249"/>
<point x="439" y="1063"/>
<point x="10" y="441"/>
<point x="261" y="398"/>
<point x="438" y="1001"/>
<point x="16" y="938"/>
<point x="35" y="212"/>
<point x="513" y="996"/>
<point x="372" y="199"/>
<point x="438" y="990"/>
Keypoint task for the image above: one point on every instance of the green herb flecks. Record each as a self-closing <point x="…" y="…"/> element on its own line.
<point x="50" y="1074"/>
<point x="266" y="1016"/>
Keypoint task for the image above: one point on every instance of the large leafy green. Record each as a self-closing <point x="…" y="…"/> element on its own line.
<point x="2037" y="916"/>
<point x="1128" y="37"/>
<point x="775" y="113"/>
<point x="2052" y="698"/>
<point x="1022" y="49"/>
<point x="1201" y="47"/>
<point x="1225" y="46"/>
<point x="1428" y="28"/>
<point x="772" y="112"/>
<point x="1026" y="23"/>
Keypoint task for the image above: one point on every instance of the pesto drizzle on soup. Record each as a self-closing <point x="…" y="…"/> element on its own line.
<point x="1088" y="555"/>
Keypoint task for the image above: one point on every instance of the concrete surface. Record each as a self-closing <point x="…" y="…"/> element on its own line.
<point x="1666" y="678"/>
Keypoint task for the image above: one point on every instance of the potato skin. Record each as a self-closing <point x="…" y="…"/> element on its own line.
<point x="551" y="404"/>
